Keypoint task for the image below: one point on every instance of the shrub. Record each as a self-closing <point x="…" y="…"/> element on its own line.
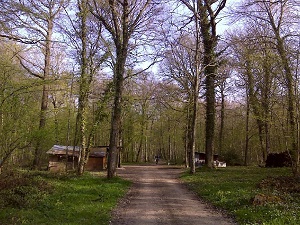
<point x="21" y="190"/>
<point x="232" y="158"/>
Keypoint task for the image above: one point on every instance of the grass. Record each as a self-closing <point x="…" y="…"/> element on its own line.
<point x="44" y="198"/>
<point x="252" y="195"/>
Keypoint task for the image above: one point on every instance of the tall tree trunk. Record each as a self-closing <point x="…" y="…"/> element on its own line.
<point x="266" y="91"/>
<point x="44" y="101"/>
<point x="205" y="18"/>
<point x="222" y="123"/>
<point x="253" y="101"/>
<point x="122" y="20"/>
<point x="194" y="105"/>
<point x="261" y="135"/>
<point x="85" y="80"/>
<point x="56" y="131"/>
<point x="69" y="126"/>
<point x="169" y="141"/>
<point x="291" y="103"/>
<point x="186" y="138"/>
<point x="246" y="152"/>
<point x="210" y="119"/>
<point x="209" y="63"/>
<point x="116" y="120"/>
<point x="192" y="141"/>
<point x="122" y="50"/>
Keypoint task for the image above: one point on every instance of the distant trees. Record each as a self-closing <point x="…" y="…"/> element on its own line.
<point x="279" y="20"/>
<point x="257" y="67"/>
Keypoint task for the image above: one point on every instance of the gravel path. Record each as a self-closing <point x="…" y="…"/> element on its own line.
<point x="157" y="197"/>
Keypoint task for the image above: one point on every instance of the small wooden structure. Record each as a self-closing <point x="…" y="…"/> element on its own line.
<point x="200" y="160"/>
<point x="58" y="155"/>
<point x="201" y="156"/>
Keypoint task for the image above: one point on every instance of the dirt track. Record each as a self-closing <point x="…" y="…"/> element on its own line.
<point x="157" y="197"/>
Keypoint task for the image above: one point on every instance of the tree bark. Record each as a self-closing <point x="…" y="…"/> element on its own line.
<point x="222" y="118"/>
<point x="247" y="139"/>
<point x="32" y="24"/>
<point x="84" y="87"/>
<point x="124" y="17"/>
<point x="116" y="117"/>
<point x="44" y="101"/>
<point x="205" y="15"/>
<point x="209" y="63"/>
<point x="291" y="101"/>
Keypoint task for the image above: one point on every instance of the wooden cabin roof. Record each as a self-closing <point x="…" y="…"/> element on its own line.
<point x="62" y="150"/>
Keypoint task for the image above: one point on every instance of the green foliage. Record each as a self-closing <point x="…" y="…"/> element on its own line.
<point x="45" y="198"/>
<point x="18" y="107"/>
<point x="235" y="188"/>
<point x="232" y="158"/>
<point x="19" y="190"/>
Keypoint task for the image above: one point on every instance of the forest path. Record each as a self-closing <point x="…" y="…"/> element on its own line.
<point x="158" y="197"/>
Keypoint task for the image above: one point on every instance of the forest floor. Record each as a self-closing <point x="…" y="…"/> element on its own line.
<point x="158" y="197"/>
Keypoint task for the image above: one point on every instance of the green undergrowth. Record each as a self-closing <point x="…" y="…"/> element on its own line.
<point x="45" y="198"/>
<point x="252" y="195"/>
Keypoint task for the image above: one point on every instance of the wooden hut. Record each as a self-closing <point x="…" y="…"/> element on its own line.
<point x="201" y="156"/>
<point x="58" y="155"/>
<point x="200" y="160"/>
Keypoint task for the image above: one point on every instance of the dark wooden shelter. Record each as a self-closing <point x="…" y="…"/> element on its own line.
<point x="201" y="156"/>
<point x="200" y="160"/>
<point x="58" y="155"/>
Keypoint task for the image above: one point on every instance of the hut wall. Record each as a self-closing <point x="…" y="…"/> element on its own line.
<point x="95" y="164"/>
<point x="57" y="166"/>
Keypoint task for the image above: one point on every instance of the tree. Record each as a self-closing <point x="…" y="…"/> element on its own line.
<point x="140" y="115"/>
<point x="17" y="106"/>
<point x="258" y="66"/>
<point x="182" y="65"/>
<point x="168" y="126"/>
<point x="205" y="13"/>
<point x="32" y="22"/>
<point x="121" y="19"/>
<point x="280" y="19"/>
<point x="222" y="84"/>
<point x="84" y="34"/>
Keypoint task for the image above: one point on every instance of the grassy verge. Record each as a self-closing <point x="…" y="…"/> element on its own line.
<point x="44" y="198"/>
<point x="252" y="195"/>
